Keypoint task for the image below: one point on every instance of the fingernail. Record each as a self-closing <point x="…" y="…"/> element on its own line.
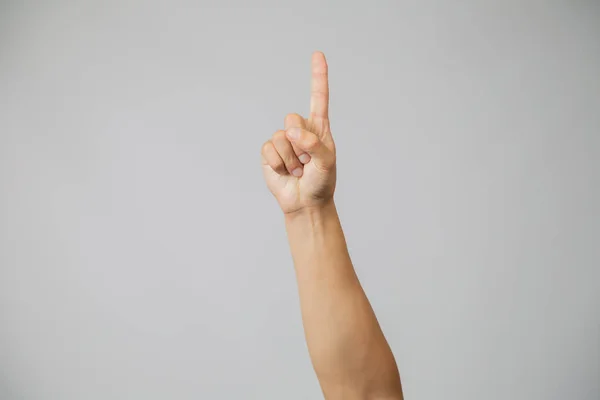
<point x="304" y="158"/>
<point x="297" y="172"/>
<point x="293" y="133"/>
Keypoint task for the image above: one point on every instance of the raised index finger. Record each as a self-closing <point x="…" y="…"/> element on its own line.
<point x="319" y="88"/>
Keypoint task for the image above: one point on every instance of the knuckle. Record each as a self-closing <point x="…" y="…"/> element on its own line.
<point x="279" y="135"/>
<point x="311" y="142"/>
<point x="319" y="93"/>
<point x="293" y="116"/>
<point x="266" y="147"/>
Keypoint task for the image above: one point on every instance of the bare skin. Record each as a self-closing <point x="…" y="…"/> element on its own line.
<point x="349" y="352"/>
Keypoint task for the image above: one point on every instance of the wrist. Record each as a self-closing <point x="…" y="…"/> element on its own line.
<point x="312" y="212"/>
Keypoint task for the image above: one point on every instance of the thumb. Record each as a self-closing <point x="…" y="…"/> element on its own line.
<point x="311" y="144"/>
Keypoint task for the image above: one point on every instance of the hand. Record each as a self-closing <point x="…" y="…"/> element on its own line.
<point x="299" y="162"/>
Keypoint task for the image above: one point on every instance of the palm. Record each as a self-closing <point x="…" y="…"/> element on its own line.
<point x="292" y="193"/>
<point x="317" y="182"/>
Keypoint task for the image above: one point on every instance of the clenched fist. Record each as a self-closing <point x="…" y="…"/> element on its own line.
<point x="299" y="162"/>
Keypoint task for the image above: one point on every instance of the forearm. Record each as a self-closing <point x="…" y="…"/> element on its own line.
<point x="349" y="352"/>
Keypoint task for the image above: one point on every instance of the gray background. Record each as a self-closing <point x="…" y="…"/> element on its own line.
<point x="141" y="256"/>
